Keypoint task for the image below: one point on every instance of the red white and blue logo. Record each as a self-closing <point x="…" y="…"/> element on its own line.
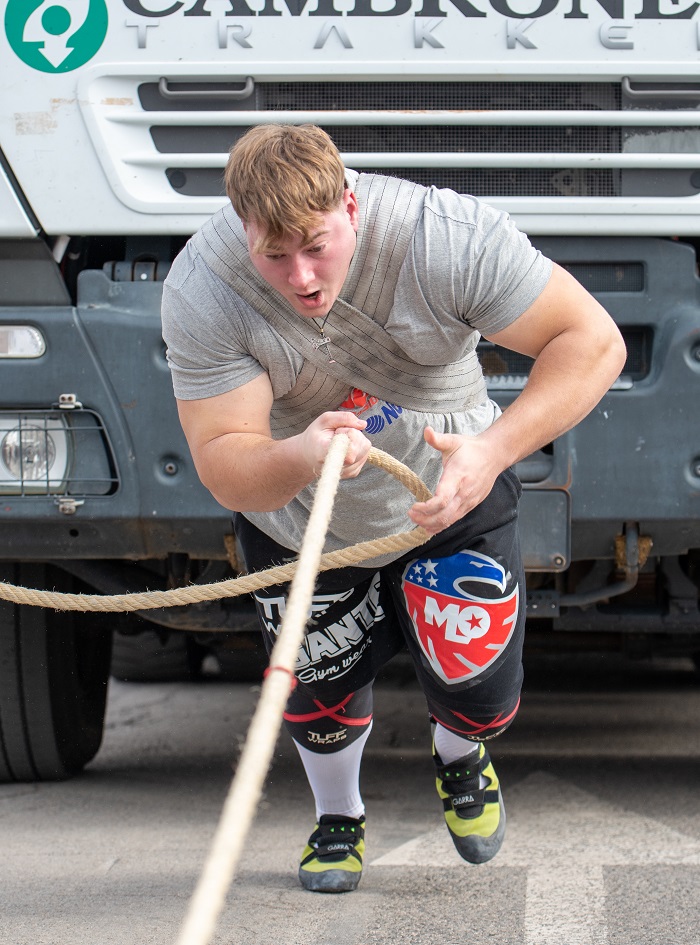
<point x="460" y="631"/>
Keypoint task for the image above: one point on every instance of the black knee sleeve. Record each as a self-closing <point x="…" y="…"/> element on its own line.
<point x="476" y="727"/>
<point x="327" y="728"/>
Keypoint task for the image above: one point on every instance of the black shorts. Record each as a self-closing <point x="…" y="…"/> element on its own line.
<point x="457" y="603"/>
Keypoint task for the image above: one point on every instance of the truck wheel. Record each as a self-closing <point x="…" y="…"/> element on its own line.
<point x="54" y="668"/>
<point x="149" y="657"/>
<point x="242" y="657"/>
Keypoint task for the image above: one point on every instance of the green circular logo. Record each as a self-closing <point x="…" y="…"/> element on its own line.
<point x="56" y="36"/>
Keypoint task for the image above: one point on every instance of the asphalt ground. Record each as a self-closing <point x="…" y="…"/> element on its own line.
<point x="600" y="779"/>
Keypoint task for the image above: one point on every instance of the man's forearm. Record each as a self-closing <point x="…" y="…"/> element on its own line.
<point x="249" y="472"/>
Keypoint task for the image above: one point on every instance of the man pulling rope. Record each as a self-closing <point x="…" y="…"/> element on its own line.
<point x="324" y="301"/>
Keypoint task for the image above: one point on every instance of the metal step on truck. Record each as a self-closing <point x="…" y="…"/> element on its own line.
<point x="581" y="118"/>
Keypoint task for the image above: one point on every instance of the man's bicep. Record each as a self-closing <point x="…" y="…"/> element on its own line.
<point x="245" y="409"/>
<point x="563" y="305"/>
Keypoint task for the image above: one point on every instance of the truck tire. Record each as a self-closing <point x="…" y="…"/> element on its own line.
<point x="242" y="658"/>
<point x="148" y="657"/>
<point x="54" y="669"/>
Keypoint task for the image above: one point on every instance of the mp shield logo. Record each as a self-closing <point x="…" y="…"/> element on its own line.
<point x="56" y="37"/>
<point x="460" y="616"/>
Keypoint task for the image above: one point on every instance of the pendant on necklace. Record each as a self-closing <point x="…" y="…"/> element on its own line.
<point x="324" y="342"/>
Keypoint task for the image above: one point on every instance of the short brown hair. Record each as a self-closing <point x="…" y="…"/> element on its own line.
<point x="280" y="177"/>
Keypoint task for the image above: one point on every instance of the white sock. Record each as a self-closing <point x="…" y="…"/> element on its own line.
<point x="452" y="747"/>
<point x="334" y="778"/>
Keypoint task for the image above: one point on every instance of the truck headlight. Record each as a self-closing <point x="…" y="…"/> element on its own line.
<point x="21" y="341"/>
<point x="34" y="454"/>
<point x="28" y="452"/>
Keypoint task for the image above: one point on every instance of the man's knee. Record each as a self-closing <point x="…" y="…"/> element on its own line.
<point x="327" y="727"/>
<point x="478" y="725"/>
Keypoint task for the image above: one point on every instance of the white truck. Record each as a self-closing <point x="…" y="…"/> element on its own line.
<point x="581" y="118"/>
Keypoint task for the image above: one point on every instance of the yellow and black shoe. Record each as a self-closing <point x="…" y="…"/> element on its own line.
<point x="474" y="811"/>
<point x="332" y="859"/>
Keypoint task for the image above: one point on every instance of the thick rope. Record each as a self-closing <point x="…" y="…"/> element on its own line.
<point x="244" y="795"/>
<point x="234" y="587"/>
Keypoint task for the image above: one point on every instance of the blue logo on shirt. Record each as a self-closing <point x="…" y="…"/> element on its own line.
<point x="377" y="422"/>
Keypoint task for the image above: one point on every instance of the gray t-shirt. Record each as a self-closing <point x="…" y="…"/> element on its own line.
<point x="468" y="271"/>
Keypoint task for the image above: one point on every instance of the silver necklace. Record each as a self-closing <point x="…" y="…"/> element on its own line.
<point x="324" y="341"/>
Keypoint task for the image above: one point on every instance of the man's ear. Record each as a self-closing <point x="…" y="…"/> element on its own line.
<point x="351" y="207"/>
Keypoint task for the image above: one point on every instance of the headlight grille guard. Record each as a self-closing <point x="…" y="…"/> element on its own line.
<point x="59" y="451"/>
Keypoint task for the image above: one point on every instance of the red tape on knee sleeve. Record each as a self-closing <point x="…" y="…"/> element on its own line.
<point x="281" y="669"/>
<point x="334" y="712"/>
<point x="480" y="729"/>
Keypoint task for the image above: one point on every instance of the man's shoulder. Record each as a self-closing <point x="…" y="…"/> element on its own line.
<point x="221" y="230"/>
<point x="181" y="268"/>
<point x="447" y="206"/>
<point x="211" y="244"/>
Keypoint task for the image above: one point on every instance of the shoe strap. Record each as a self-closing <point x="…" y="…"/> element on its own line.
<point x="337" y="836"/>
<point x="467" y="769"/>
<point x="462" y="782"/>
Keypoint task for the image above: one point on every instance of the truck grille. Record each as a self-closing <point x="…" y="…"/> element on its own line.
<point x="507" y="182"/>
<point x="387" y="96"/>
<point x="520" y="143"/>
<point x="378" y="139"/>
<point x="439" y="138"/>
